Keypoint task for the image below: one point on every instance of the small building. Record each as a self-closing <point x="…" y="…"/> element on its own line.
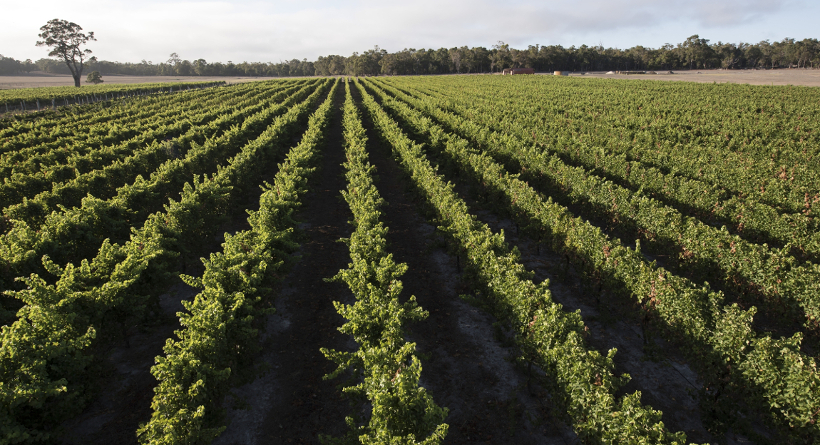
<point x="512" y="71"/>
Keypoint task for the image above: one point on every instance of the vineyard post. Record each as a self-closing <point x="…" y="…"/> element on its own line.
<point x="23" y="105"/>
<point x="53" y="105"/>
<point x="38" y="104"/>
<point x="7" y="107"/>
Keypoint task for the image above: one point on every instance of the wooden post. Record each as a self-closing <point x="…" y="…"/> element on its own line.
<point x="23" y="105"/>
<point x="38" y="104"/>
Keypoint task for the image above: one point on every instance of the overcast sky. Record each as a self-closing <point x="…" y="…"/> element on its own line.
<point x="270" y="31"/>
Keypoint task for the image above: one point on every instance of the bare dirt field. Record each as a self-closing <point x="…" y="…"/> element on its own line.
<point x="802" y="77"/>
<point x="36" y="80"/>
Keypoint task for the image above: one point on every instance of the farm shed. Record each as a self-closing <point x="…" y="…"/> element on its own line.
<point x="512" y="71"/>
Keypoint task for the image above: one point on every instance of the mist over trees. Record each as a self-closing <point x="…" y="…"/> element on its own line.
<point x="694" y="53"/>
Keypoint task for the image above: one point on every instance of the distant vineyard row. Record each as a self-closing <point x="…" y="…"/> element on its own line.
<point x="36" y="99"/>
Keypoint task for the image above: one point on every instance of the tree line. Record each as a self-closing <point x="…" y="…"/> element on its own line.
<point x="694" y="53"/>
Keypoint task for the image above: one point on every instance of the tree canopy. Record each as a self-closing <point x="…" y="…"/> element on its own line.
<point x="94" y="77"/>
<point x="694" y="53"/>
<point x="65" y="38"/>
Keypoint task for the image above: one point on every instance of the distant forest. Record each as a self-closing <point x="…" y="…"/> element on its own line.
<point x="694" y="53"/>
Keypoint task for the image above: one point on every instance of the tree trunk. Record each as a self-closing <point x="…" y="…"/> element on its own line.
<point x="76" y="80"/>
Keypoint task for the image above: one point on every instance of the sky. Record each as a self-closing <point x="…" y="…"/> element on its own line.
<point x="280" y="30"/>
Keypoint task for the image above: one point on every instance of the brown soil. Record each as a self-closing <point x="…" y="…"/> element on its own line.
<point x="63" y="80"/>
<point x="292" y="403"/>
<point x="802" y="77"/>
<point x="468" y="365"/>
<point x="656" y="367"/>
<point x="123" y="386"/>
<point x="465" y="368"/>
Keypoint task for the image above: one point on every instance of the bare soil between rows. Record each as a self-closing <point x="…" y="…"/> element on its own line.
<point x="122" y="385"/>
<point x="465" y="368"/>
<point x="469" y="366"/>
<point x="40" y="80"/>
<point x="657" y="368"/>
